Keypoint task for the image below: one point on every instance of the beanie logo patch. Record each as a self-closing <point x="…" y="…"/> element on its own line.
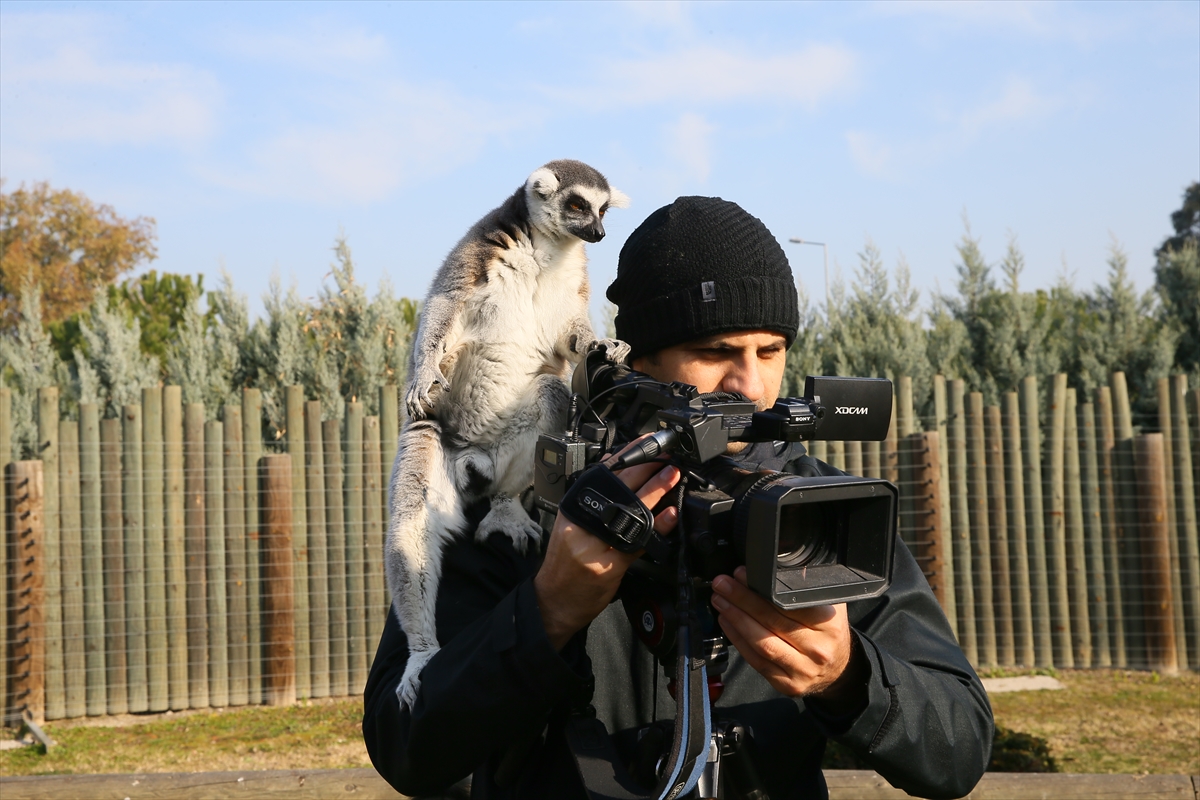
<point x="708" y="291"/>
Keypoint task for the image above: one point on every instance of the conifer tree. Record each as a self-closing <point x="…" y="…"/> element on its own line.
<point x="1177" y="281"/>
<point x="28" y="362"/>
<point x="111" y="368"/>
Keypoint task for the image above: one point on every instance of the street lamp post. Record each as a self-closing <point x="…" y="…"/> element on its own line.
<point x="825" y="249"/>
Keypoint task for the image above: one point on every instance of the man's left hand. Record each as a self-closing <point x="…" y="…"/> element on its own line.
<point x="803" y="652"/>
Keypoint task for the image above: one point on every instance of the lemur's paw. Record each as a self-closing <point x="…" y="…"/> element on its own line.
<point x="614" y="349"/>
<point x="417" y="400"/>
<point x="410" y="682"/>
<point x="511" y="520"/>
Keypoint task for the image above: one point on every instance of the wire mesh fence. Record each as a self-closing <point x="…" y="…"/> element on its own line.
<point x="161" y="560"/>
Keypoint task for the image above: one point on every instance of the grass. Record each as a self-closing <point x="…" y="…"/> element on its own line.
<point x="1105" y="721"/>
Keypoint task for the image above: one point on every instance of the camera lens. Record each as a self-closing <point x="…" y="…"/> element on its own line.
<point x="803" y="540"/>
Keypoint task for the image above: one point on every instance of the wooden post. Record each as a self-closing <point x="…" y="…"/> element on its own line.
<point x="1128" y="546"/>
<point x="1056" y="500"/>
<point x="5" y="458"/>
<point x="336" y="539"/>
<point x="135" y="556"/>
<point x="871" y="461"/>
<point x="941" y="415"/>
<point x="279" y="624"/>
<point x="47" y="401"/>
<point x="819" y="451"/>
<point x="373" y="540"/>
<point x="91" y="512"/>
<point x="854" y="458"/>
<point x="998" y="521"/>
<point x="74" y="658"/>
<point x="318" y="546"/>
<point x="300" y="549"/>
<point x="960" y="524"/>
<point x="356" y="600"/>
<point x="1185" y="516"/>
<point x="905" y="417"/>
<point x="1094" y="538"/>
<point x="907" y="523"/>
<point x="235" y="556"/>
<point x="389" y="435"/>
<point x="174" y="493"/>
<point x="1106" y="456"/>
<point x="214" y="540"/>
<point x="1036" y="525"/>
<point x="1177" y="568"/>
<point x="927" y="509"/>
<point x="980" y="531"/>
<point x="1155" y="536"/>
<point x="889" y="455"/>
<point x="116" y="653"/>
<point x="26" y="515"/>
<point x="835" y="455"/>
<point x="194" y="516"/>
<point x="252" y="441"/>
<point x="1077" y="577"/>
<point x="156" y="559"/>
<point x="1014" y="463"/>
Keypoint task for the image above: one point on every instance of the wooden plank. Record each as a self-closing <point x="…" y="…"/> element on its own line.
<point x="47" y="405"/>
<point x="1056" y="521"/>
<point x="867" y="785"/>
<point x="318" y="563"/>
<point x="960" y="522"/>
<point x="835" y="454"/>
<point x="74" y="657"/>
<point x="135" y="556"/>
<point x="116" y="654"/>
<point x="153" y="475"/>
<point x="998" y="522"/>
<point x="1077" y="577"/>
<point x="1185" y="516"/>
<point x="194" y="522"/>
<point x="377" y="601"/>
<point x="252" y="441"/>
<point x="214" y="542"/>
<point x="91" y="509"/>
<point x="1105" y="455"/>
<point x="25" y="494"/>
<point x="175" y="549"/>
<point x="356" y="597"/>
<point x="279" y="622"/>
<point x="927" y="508"/>
<point x="889" y="454"/>
<point x="1155" y="538"/>
<point x="906" y="418"/>
<point x="5" y="458"/>
<point x="300" y="552"/>
<point x="981" y="533"/>
<point x="941" y="414"/>
<point x="235" y="555"/>
<point x="389" y="435"/>
<point x="1036" y="524"/>
<point x="905" y="464"/>
<point x="1128" y="545"/>
<point x="1094" y="538"/>
<point x="854" y="458"/>
<point x="336" y="541"/>
<point x="871" y="464"/>
<point x="1163" y="386"/>
<point x="820" y="451"/>
<point x="1014" y="463"/>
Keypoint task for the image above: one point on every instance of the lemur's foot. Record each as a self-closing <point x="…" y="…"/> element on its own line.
<point x="509" y="518"/>
<point x="410" y="682"/>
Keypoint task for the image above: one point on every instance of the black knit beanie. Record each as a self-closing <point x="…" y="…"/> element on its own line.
<point x="698" y="267"/>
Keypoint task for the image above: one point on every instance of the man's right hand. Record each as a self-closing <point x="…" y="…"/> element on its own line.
<point x="580" y="573"/>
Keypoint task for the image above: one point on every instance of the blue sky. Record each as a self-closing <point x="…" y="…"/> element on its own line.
<point x="253" y="133"/>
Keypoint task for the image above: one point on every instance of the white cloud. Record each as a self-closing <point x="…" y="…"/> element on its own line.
<point x="1019" y="101"/>
<point x="1024" y="14"/>
<point x="869" y="154"/>
<point x="689" y="142"/>
<point x="319" y="46"/>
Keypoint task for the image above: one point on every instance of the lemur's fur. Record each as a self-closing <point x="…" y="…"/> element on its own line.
<point x="505" y="318"/>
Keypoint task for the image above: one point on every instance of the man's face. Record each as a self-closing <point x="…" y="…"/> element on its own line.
<point x="749" y="362"/>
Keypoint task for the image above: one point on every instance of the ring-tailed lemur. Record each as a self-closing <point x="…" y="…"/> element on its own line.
<point x="505" y="317"/>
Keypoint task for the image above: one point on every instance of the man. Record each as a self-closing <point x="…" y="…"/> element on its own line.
<point x="705" y="296"/>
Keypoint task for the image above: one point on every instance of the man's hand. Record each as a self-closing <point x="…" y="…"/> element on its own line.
<point x="581" y="574"/>
<point x="804" y="652"/>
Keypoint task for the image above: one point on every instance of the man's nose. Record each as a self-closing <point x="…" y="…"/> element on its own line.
<point x="743" y="377"/>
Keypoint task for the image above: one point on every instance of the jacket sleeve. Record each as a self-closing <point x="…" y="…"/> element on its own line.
<point x="492" y="684"/>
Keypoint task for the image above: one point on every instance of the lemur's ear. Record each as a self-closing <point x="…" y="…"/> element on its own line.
<point x="543" y="183"/>
<point x="617" y="198"/>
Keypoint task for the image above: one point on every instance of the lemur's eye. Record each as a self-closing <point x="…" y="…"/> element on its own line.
<point x="603" y="211"/>
<point x="575" y="206"/>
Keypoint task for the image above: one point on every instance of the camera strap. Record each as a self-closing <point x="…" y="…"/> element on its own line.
<point x="600" y="503"/>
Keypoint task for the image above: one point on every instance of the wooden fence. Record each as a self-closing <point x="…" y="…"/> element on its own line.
<point x="161" y="561"/>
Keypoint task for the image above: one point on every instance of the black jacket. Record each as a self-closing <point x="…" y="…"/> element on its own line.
<point x="494" y="697"/>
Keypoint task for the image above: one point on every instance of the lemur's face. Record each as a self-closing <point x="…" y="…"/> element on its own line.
<point x="571" y="207"/>
<point x="582" y="210"/>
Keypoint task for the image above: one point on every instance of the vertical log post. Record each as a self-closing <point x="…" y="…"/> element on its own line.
<point x="356" y="600"/>
<point x="998" y="521"/>
<point x="889" y="455"/>
<point x="91" y="512"/>
<point x="300" y="548"/>
<point x="960" y="522"/>
<point x="1106" y="455"/>
<point x="1023" y="636"/>
<point x="5" y="458"/>
<point x="194" y="525"/>
<point x="854" y="458"/>
<point x="214" y="541"/>
<point x="927" y="509"/>
<point x="336" y="540"/>
<point x="279" y="622"/>
<point x="1178" y="569"/>
<point x="252" y="421"/>
<point x="156" y="555"/>
<point x="26" y="520"/>
<point x="116" y="657"/>
<point x="871" y="462"/>
<point x="1094" y="537"/>
<point x="1185" y="516"/>
<point x="47" y="405"/>
<point x="235" y="556"/>
<point x="373" y="540"/>
<point x="135" y="556"/>
<point x="1128" y="545"/>
<point x="318" y="546"/>
<point x="1036" y="525"/>
<point x="941" y="417"/>
<point x="1156" y="553"/>
<point x="1056" y="521"/>
<point x="174" y="494"/>
<point x="74" y="658"/>
<point x="981" y="534"/>
<point x="1077" y="577"/>
<point x="905" y="460"/>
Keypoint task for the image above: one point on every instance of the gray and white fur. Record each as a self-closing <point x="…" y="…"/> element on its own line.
<point x="504" y="320"/>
